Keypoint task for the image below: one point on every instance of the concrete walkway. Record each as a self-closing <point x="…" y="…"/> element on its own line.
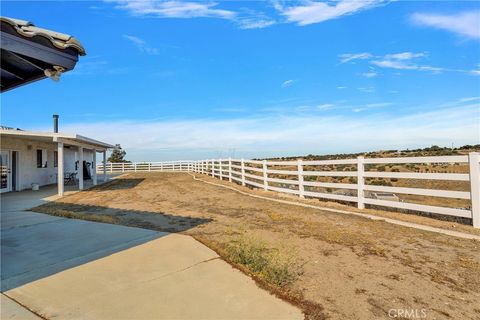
<point x="72" y="269"/>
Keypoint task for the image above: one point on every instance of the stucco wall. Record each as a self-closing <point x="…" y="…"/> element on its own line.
<point x="28" y="172"/>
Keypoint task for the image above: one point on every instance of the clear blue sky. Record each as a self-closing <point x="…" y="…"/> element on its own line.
<point x="183" y="80"/>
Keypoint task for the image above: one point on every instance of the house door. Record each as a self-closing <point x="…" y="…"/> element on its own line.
<point x="5" y="171"/>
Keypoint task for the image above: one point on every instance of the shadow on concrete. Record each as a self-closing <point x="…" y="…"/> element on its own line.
<point x="35" y="245"/>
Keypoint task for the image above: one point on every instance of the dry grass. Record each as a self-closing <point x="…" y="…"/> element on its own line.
<point x="276" y="267"/>
<point x="60" y="212"/>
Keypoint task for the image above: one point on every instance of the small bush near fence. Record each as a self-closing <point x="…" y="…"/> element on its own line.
<point x="275" y="267"/>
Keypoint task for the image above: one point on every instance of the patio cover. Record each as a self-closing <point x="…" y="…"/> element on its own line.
<point x="29" y="53"/>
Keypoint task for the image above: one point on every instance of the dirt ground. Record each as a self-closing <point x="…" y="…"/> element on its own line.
<point x="352" y="268"/>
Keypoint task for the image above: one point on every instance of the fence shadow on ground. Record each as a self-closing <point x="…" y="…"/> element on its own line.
<point x="119" y="184"/>
<point x="158" y="221"/>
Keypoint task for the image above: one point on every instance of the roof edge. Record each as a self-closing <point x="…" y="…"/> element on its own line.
<point x="69" y="42"/>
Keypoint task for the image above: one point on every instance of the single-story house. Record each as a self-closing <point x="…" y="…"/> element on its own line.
<point x="30" y="158"/>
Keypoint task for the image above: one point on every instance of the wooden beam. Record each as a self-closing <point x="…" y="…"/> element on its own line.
<point x="26" y="61"/>
<point x="78" y="144"/>
<point x="11" y="72"/>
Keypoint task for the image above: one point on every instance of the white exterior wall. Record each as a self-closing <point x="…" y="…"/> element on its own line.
<point x="28" y="172"/>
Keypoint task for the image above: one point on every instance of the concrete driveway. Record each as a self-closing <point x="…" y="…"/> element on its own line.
<point x="72" y="269"/>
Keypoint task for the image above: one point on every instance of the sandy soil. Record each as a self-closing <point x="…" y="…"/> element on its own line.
<point x="353" y="268"/>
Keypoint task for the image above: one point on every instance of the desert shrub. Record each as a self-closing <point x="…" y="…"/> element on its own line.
<point x="381" y="182"/>
<point x="381" y="168"/>
<point x="277" y="267"/>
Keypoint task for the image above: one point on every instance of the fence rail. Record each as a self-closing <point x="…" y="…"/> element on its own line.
<point x="292" y="177"/>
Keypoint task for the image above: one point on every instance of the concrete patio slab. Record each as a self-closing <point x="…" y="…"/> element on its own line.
<point x="10" y="310"/>
<point x="41" y="245"/>
<point x="173" y="277"/>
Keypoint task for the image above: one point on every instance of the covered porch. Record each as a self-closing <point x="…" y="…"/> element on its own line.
<point x="81" y="148"/>
<point x="46" y="158"/>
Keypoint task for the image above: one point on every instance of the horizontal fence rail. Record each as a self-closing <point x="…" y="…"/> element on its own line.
<point x="294" y="177"/>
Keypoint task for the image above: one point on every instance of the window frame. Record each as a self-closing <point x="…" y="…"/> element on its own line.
<point x="42" y="158"/>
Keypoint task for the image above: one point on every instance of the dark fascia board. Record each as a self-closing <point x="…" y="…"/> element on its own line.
<point x="22" y="83"/>
<point x="37" y="51"/>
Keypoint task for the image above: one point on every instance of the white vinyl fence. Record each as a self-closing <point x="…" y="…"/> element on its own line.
<point x="295" y="177"/>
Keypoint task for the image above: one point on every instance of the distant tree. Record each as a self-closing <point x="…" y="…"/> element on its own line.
<point x="118" y="155"/>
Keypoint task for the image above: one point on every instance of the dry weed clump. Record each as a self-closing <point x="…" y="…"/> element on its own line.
<point x="276" y="266"/>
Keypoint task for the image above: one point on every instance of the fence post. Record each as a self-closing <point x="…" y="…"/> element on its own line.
<point x="213" y="168"/>
<point x="111" y="167"/>
<point x="149" y="166"/>
<point x="123" y="166"/>
<point x="301" y="188"/>
<point x="135" y="167"/>
<point x="221" y="168"/>
<point x="473" y="160"/>
<point x="360" y="182"/>
<point x="243" y="172"/>
<point x="265" y="176"/>
<point x="230" y="169"/>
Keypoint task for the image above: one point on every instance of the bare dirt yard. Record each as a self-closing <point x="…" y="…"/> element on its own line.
<point x="331" y="265"/>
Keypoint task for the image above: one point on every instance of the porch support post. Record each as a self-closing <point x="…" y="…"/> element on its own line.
<point x="80" y="168"/>
<point x="60" y="177"/>
<point x="104" y="166"/>
<point x="94" y="170"/>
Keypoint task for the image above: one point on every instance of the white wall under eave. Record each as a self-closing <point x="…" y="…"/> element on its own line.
<point x="28" y="172"/>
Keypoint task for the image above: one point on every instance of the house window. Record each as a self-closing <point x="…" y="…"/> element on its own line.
<point x="41" y="158"/>
<point x="55" y="159"/>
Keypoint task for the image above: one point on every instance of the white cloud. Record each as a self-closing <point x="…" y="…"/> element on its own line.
<point x="468" y="99"/>
<point x="315" y="12"/>
<point x="141" y="44"/>
<point x="325" y="106"/>
<point x="250" y="23"/>
<point x="288" y="83"/>
<point x="404" y="65"/>
<point x="282" y="135"/>
<point x="341" y="87"/>
<point x="475" y="72"/>
<point x="370" y="74"/>
<point x="306" y="13"/>
<point x="400" y="61"/>
<point x="465" y="24"/>
<point x="347" y="57"/>
<point x="404" y="56"/>
<point x="174" y="9"/>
